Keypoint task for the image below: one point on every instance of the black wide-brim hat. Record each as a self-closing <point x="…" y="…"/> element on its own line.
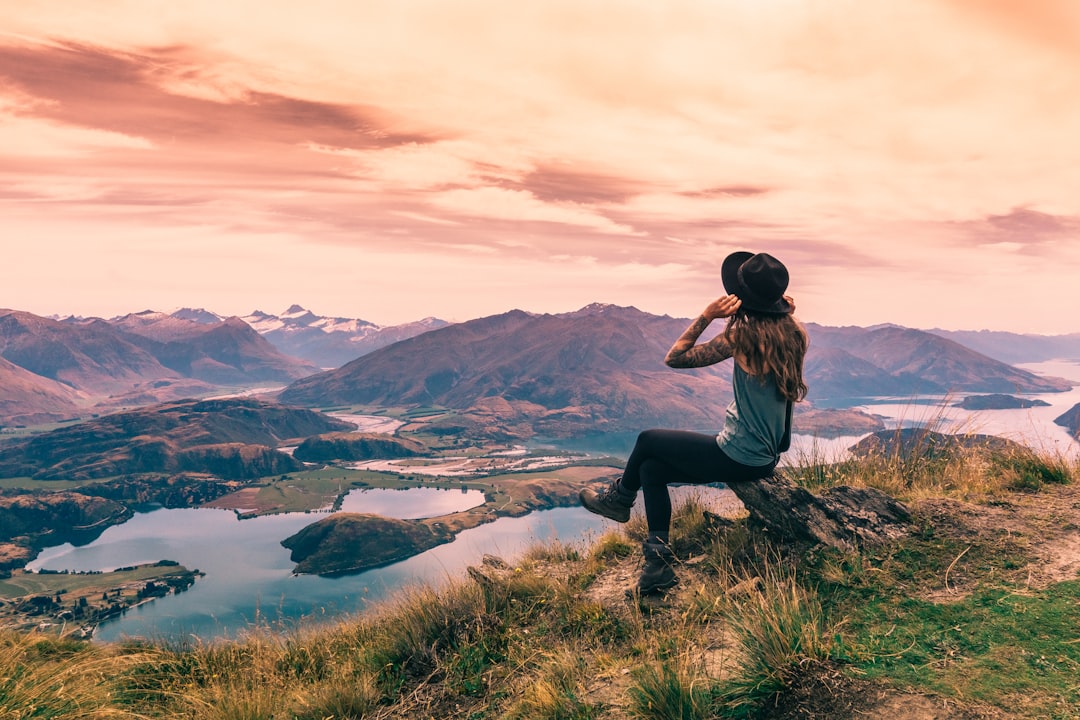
<point x="760" y="281"/>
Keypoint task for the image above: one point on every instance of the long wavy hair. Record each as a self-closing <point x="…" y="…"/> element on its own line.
<point x="771" y="343"/>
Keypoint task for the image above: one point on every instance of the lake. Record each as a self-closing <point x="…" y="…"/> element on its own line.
<point x="1033" y="427"/>
<point x="411" y="503"/>
<point x="249" y="575"/>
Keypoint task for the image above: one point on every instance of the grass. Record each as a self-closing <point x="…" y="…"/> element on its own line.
<point x="28" y="483"/>
<point x="917" y="464"/>
<point x="45" y="679"/>
<point x="550" y="637"/>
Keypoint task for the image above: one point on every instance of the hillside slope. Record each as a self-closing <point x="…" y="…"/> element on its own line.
<point x="28" y="399"/>
<point x="229" y="438"/>
<point x="228" y="352"/>
<point x="94" y="358"/>
<point x="598" y="369"/>
<point x="930" y="363"/>
<point x="972" y="616"/>
<point x="601" y="369"/>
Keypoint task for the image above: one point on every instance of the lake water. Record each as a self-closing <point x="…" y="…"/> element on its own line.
<point x="411" y="503"/>
<point x="249" y="575"/>
<point x="1033" y="427"/>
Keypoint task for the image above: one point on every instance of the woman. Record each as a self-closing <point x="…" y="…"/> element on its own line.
<point x="768" y="346"/>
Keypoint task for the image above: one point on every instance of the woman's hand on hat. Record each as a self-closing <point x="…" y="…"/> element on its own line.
<point x="722" y="307"/>
<point x="791" y="302"/>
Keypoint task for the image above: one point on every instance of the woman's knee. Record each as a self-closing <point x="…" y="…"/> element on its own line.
<point x="649" y="439"/>
<point x="653" y="474"/>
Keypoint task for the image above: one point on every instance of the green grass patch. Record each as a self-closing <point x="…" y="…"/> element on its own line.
<point x="27" y="483"/>
<point x="996" y="646"/>
<point x="23" y="583"/>
<point x="954" y="617"/>
<point x="316" y="489"/>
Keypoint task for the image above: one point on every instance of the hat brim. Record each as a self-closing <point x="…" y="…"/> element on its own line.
<point x="729" y="275"/>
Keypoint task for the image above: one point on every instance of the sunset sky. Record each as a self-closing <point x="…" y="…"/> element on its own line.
<point x="915" y="162"/>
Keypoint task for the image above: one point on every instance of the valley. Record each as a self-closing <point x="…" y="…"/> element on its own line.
<point x="354" y="475"/>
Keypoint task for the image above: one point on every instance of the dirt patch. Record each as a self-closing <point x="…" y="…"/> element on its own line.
<point x="1062" y="560"/>
<point x="244" y="500"/>
<point x="1043" y="526"/>
<point x="11" y="553"/>
<point x="826" y="692"/>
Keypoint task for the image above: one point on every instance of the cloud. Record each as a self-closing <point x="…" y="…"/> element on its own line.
<point x="556" y="183"/>
<point x="521" y="206"/>
<point x="119" y="91"/>
<point x="1026" y="231"/>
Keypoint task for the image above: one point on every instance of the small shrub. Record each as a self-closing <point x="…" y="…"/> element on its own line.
<point x="613" y="545"/>
<point x="670" y="689"/>
<point x="782" y="627"/>
<point x="1029" y="471"/>
<point x="344" y="698"/>
<point x="554" y="695"/>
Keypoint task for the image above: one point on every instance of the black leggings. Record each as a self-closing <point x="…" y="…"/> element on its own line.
<point x="663" y="457"/>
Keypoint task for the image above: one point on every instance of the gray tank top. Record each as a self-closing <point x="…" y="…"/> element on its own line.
<point x="755" y="420"/>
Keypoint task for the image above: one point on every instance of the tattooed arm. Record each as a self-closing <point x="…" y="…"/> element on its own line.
<point x="686" y="354"/>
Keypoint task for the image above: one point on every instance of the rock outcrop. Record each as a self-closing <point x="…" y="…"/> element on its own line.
<point x="846" y="518"/>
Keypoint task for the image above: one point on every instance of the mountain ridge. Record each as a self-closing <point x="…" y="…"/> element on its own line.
<point x="601" y="369"/>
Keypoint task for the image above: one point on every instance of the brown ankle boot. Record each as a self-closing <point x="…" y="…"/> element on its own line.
<point x="613" y="503"/>
<point x="658" y="574"/>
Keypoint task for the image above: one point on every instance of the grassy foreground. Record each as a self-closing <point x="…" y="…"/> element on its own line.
<point x="975" y="615"/>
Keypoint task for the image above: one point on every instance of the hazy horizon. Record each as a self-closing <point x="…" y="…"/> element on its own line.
<point x="912" y="163"/>
<point x="282" y="313"/>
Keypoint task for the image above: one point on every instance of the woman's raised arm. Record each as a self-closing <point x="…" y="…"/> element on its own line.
<point x="685" y="353"/>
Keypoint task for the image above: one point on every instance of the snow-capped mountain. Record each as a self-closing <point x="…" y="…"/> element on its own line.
<point x="331" y="342"/>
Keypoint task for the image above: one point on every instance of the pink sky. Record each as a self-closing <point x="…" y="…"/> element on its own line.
<point x="915" y="162"/>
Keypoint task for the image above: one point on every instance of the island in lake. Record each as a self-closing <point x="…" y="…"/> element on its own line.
<point x="999" y="401"/>
<point x="353" y="542"/>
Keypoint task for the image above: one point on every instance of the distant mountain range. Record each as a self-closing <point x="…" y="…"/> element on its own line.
<point x="59" y="368"/>
<point x="226" y="352"/>
<point x="600" y="369"/>
<point x="327" y="342"/>
<point x="892" y="360"/>
<point x="56" y="369"/>
<point x="1015" y="347"/>
<point x="597" y="369"/>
